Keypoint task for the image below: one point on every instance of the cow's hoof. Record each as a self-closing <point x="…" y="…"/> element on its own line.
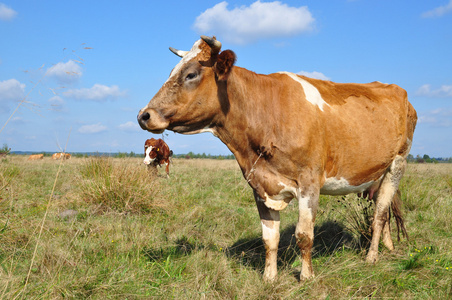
<point x="306" y="276"/>
<point x="372" y="257"/>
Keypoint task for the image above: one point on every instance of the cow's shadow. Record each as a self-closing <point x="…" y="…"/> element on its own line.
<point x="328" y="238"/>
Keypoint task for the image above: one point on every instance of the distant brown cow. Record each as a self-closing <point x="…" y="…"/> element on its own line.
<point x="36" y="156"/>
<point x="61" y="155"/>
<point x="156" y="153"/>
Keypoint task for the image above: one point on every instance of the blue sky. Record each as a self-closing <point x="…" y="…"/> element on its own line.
<point x="85" y="68"/>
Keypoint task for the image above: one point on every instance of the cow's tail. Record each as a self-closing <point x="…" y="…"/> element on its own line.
<point x="396" y="207"/>
<point x="170" y="157"/>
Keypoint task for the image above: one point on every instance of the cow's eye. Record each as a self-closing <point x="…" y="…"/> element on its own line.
<point x="191" y="76"/>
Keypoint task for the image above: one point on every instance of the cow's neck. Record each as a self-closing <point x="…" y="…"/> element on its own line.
<point x="244" y="125"/>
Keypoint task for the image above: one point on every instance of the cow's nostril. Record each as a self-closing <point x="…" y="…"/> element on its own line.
<point x="145" y="116"/>
<point x="143" y="119"/>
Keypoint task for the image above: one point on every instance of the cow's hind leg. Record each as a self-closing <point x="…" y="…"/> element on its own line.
<point x="270" y="236"/>
<point x="386" y="232"/>
<point x="386" y="193"/>
<point x="396" y="208"/>
<point x="397" y="214"/>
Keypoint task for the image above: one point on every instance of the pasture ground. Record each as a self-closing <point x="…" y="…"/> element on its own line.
<point x="106" y="228"/>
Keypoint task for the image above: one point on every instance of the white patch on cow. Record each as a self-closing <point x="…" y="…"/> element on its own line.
<point x="282" y="199"/>
<point x="409" y="143"/>
<point x="211" y="130"/>
<point x="312" y="93"/>
<point x="195" y="50"/>
<point x="147" y="159"/>
<point x="334" y="186"/>
<point x="188" y="55"/>
<point x="303" y="202"/>
<point x="305" y="212"/>
<point x="269" y="232"/>
<point x="275" y="203"/>
<point x="203" y="130"/>
<point x="287" y="191"/>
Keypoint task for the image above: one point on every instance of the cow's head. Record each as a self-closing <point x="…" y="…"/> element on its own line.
<point x="151" y="150"/>
<point x="150" y="154"/>
<point x="188" y="101"/>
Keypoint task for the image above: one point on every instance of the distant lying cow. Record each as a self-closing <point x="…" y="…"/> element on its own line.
<point x="36" y="156"/>
<point x="156" y="153"/>
<point x="61" y="155"/>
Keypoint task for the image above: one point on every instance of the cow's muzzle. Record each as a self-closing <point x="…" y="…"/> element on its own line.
<point x="152" y="121"/>
<point x="143" y="118"/>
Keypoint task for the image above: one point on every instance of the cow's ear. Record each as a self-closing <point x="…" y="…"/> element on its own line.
<point x="224" y="64"/>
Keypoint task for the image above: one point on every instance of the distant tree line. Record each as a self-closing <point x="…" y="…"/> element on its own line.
<point x="5" y="150"/>
<point x="189" y="155"/>
<point x="427" y="159"/>
<point x="210" y="156"/>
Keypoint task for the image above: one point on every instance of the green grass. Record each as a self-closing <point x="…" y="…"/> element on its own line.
<point x="197" y="235"/>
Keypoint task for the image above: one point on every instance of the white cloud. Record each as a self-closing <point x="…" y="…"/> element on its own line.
<point x="438" y="11"/>
<point x="98" y="93"/>
<point x="260" y="20"/>
<point x="427" y="91"/>
<point x="6" y="13"/>
<point x="11" y="89"/>
<point x="314" y="74"/>
<point x="68" y="72"/>
<point x="56" y="103"/>
<point x="94" y="128"/>
<point x="440" y="117"/>
<point x="129" y="126"/>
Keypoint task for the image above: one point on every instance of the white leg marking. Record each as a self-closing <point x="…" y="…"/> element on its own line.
<point x="270" y="236"/>
<point x="305" y="234"/>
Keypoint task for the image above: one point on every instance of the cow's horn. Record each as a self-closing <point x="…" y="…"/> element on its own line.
<point x="212" y="42"/>
<point x="179" y="53"/>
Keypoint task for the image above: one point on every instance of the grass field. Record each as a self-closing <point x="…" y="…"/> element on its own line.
<point x="104" y="228"/>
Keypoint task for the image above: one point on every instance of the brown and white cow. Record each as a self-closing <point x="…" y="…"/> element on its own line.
<point x="36" y="157"/>
<point x="293" y="137"/>
<point x="61" y="155"/>
<point x="157" y="153"/>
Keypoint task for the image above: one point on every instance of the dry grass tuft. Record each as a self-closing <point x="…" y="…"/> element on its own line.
<point x="119" y="187"/>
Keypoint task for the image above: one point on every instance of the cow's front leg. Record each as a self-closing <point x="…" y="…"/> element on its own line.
<point x="304" y="233"/>
<point x="270" y="236"/>
<point x="167" y="169"/>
